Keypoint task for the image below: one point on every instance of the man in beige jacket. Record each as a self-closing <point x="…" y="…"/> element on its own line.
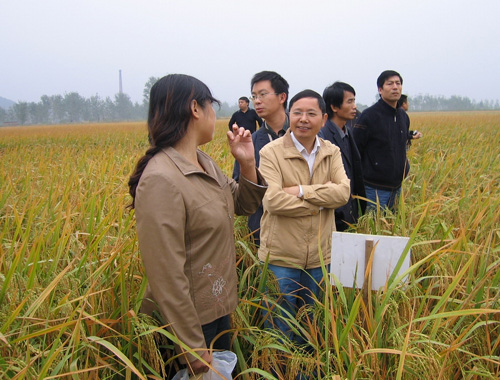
<point x="307" y="182"/>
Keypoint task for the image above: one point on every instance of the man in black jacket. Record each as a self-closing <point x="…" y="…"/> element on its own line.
<point x="380" y="134"/>
<point x="340" y="99"/>
<point x="405" y="104"/>
<point x="246" y="117"/>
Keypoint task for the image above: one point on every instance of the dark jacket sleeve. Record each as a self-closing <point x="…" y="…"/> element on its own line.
<point x="231" y="122"/>
<point x="259" y="120"/>
<point x="236" y="171"/>
<point x="360" y="133"/>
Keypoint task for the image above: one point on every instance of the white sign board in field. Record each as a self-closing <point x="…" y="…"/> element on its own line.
<point x="349" y="259"/>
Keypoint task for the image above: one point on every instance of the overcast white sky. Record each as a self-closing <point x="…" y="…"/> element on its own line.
<point x="440" y="47"/>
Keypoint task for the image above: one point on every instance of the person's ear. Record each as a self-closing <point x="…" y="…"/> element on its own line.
<point x="282" y="98"/>
<point x="334" y="109"/>
<point x="195" y="109"/>
<point x="325" y="118"/>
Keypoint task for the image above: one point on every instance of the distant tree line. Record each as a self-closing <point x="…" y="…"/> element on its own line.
<point x="453" y="103"/>
<point x="74" y="108"/>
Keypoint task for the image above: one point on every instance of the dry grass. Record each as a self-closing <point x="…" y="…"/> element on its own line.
<point x="71" y="277"/>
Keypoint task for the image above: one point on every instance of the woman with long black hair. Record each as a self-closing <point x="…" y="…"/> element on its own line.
<point x="184" y="207"/>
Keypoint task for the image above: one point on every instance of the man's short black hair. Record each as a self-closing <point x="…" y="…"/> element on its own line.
<point x="245" y="99"/>
<point x="334" y="96"/>
<point x="386" y="75"/>
<point x="278" y="83"/>
<point x="309" y="94"/>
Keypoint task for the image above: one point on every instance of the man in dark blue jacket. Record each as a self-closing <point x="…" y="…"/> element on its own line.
<point x="269" y="96"/>
<point x="340" y="99"/>
<point x="380" y="134"/>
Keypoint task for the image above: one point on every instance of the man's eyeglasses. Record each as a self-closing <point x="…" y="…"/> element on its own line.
<point x="309" y="115"/>
<point x="262" y="96"/>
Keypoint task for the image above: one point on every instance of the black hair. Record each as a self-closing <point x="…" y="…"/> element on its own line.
<point x="278" y="83"/>
<point x="245" y="99"/>
<point x="402" y="99"/>
<point x="334" y="96"/>
<point x="309" y="94"/>
<point x="386" y="75"/>
<point x="169" y="116"/>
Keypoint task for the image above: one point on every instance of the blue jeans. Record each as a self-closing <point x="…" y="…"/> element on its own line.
<point x="298" y="287"/>
<point x="386" y="198"/>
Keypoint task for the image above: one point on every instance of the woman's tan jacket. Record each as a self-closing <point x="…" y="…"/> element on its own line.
<point x="185" y="223"/>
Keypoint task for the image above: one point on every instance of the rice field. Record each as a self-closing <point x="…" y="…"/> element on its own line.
<point x="71" y="277"/>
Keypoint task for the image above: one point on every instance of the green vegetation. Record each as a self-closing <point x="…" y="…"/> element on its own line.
<point x="71" y="277"/>
<point x="453" y="103"/>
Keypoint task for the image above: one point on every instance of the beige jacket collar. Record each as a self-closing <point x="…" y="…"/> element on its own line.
<point x="186" y="167"/>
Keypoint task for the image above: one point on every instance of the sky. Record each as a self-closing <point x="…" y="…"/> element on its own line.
<point x="440" y="47"/>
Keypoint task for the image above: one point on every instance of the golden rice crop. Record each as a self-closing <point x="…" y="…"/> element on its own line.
<point x="71" y="277"/>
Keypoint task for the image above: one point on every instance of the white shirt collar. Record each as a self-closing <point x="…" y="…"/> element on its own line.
<point x="301" y="148"/>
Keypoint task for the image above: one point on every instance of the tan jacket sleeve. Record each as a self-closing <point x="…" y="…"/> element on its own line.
<point x="247" y="195"/>
<point x="331" y="195"/>
<point x="161" y="239"/>
<point x="276" y="200"/>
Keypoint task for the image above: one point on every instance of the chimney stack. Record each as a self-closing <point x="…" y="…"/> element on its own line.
<point x="121" y="88"/>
